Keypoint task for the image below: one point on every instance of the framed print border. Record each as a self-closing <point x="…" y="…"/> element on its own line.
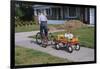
<point x="12" y="37"/>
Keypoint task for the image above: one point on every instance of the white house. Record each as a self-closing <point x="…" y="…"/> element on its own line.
<point x="58" y="14"/>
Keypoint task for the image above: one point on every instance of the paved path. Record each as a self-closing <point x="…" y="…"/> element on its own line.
<point x="84" y="54"/>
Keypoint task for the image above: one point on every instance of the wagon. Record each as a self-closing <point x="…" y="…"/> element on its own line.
<point x="60" y="41"/>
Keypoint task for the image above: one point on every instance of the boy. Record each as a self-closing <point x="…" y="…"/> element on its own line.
<point x="69" y="36"/>
<point x="43" y="27"/>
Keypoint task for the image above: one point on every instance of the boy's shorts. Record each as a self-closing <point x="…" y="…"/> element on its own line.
<point x="43" y="28"/>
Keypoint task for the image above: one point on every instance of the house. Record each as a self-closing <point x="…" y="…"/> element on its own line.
<point x="58" y="14"/>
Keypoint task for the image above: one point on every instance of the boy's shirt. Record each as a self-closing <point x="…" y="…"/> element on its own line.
<point x="69" y="35"/>
<point x="42" y="18"/>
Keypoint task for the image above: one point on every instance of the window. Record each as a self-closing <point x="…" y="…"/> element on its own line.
<point x="53" y="11"/>
<point x="48" y="11"/>
<point x="37" y="10"/>
<point x="72" y="12"/>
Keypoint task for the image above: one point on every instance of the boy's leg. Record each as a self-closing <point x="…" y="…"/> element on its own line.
<point x="41" y="31"/>
<point x="46" y="33"/>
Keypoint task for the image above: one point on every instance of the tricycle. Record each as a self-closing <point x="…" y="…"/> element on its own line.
<point x="41" y="41"/>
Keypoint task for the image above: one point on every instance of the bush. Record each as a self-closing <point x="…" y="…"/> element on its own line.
<point x="73" y="24"/>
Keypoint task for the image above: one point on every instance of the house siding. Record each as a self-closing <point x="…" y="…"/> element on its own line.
<point x="66" y="13"/>
<point x="92" y="14"/>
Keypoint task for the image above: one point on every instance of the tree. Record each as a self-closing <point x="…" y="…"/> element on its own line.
<point x="24" y="11"/>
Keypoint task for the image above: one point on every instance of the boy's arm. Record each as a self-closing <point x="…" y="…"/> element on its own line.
<point x="39" y="19"/>
<point x="46" y="19"/>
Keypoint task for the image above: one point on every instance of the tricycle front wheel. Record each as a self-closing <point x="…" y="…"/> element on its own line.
<point x="38" y="38"/>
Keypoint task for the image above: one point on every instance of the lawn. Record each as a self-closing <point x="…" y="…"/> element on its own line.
<point x="26" y="56"/>
<point x="27" y="28"/>
<point x="35" y="27"/>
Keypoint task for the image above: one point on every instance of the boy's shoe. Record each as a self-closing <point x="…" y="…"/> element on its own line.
<point x="45" y="42"/>
<point x="43" y="45"/>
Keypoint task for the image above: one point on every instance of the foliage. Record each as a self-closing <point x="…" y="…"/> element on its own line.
<point x="24" y="11"/>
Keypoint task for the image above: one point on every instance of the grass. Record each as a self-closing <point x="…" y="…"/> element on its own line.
<point x="35" y="27"/>
<point x="27" y="28"/>
<point x="85" y="35"/>
<point x="25" y="56"/>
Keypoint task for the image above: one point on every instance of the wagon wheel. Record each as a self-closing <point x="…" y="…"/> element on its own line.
<point x="77" y="47"/>
<point x="57" y="47"/>
<point x="51" y="38"/>
<point x="69" y="48"/>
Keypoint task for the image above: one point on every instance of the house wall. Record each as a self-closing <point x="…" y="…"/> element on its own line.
<point x="54" y="13"/>
<point x="92" y="15"/>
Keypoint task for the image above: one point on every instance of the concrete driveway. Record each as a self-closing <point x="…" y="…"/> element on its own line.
<point x="84" y="54"/>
